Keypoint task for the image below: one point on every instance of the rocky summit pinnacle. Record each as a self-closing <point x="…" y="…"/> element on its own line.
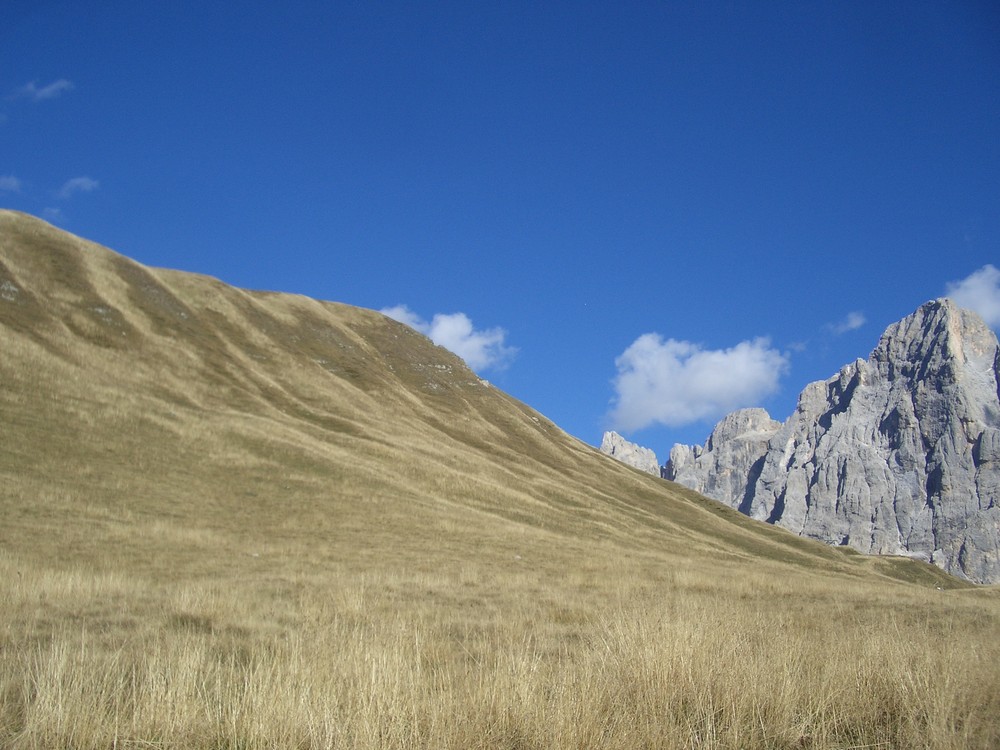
<point x="634" y="455"/>
<point x="896" y="454"/>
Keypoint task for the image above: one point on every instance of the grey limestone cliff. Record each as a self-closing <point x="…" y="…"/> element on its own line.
<point x="734" y="452"/>
<point x="896" y="454"/>
<point x="634" y="455"/>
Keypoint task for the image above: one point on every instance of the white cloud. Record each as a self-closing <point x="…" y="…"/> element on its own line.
<point x="77" y="185"/>
<point x="52" y="214"/>
<point x="10" y="184"/>
<point x="979" y="291"/>
<point x="481" y="349"/>
<point x="798" y="346"/>
<point x="852" y="322"/>
<point x="675" y="383"/>
<point x="405" y="315"/>
<point x="36" y="94"/>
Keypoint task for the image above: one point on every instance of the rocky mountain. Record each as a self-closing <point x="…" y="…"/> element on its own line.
<point x="721" y="467"/>
<point x="631" y="454"/>
<point x="896" y="454"/>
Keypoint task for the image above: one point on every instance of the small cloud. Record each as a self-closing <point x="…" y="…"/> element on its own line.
<point x="77" y="185"/>
<point x="36" y="94"/>
<point x="481" y="349"/>
<point x="674" y="383"/>
<point x="798" y="346"/>
<point x="980" y="292"/>
<point x="9" y="184"/>
<point x="52" y="214"/>
<point x="852" y="322"/>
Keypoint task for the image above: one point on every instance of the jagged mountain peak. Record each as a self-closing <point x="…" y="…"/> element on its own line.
<point x="939" y="334"/>
<point x="894" y="454"/>
<point x="644" y="459"/>
<point x="742" y="423"/>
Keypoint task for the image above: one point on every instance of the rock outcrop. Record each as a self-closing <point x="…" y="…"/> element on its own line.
<point x="733" y="453"/>
<point x="896" y="454"/>
<point x="629" y="453"/>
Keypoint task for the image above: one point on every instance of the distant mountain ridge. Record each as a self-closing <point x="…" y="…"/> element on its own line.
<point x="896" y="454"/>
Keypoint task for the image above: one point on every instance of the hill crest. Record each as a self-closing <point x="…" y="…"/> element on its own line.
<point x="174" y="396"/>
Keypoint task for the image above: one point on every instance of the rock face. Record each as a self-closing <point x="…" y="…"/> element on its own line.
<point x="629" y="453"/>
<point x="896" y="454"/>
<point x="733" y="452"/>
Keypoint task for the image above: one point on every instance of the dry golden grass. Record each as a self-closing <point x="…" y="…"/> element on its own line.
<point x="260" y="521"/>
<point x="473" y="658"/>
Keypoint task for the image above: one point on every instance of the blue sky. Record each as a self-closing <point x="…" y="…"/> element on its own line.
<point x="631" y="215"/>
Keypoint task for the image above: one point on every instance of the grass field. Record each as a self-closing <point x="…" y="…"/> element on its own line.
<point x="249" y="520"/>
<point x="483" y="657"/>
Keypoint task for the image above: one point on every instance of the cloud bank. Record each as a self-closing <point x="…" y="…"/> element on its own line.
<point x="979" y="291"/>
<point x="77" y="185"/>
<point x="674" y="383"/>
<point x="481" y="349"/>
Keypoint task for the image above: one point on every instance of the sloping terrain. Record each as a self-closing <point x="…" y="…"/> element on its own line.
<point x="236" y="518"/>
<point x="170" y="391"/>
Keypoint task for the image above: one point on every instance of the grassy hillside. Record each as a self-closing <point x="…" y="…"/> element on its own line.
<point x="247" y="519"/>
